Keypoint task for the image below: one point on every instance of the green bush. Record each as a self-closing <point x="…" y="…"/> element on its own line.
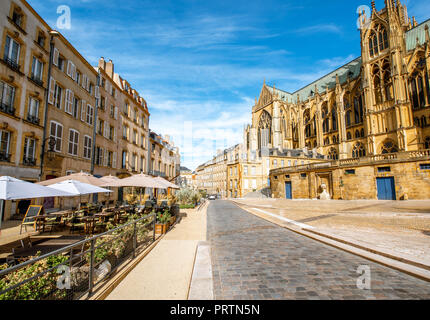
<point x="187" y="196"/>
<point x="43" y="287"/>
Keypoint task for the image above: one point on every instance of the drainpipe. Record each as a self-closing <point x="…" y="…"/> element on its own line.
<point x="53" y="33"/>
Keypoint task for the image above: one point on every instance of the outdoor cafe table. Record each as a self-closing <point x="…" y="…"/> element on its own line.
<point x="89" y="224"/>
<point x="40" y="219"/>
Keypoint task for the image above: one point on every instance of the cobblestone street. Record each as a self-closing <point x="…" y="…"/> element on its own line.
<point x="255" y="259"/>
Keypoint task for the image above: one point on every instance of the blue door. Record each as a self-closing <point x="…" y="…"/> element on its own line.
<point x="288" y="193"/>
<point x="386" y="190"/>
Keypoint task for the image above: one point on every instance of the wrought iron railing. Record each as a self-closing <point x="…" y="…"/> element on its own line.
<point x="12" y="64"/>
<point x="72" y="272"/>
<point x="33" y="119"/>
<point x="29" y="161"/>
<point x="36" y="80"/>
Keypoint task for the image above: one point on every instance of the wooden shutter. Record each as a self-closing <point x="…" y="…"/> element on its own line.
<point x="105" y="162"/>
<point x="55" y="57"/>
<point x="116" y="113"/>
<point x="114" y="160"/>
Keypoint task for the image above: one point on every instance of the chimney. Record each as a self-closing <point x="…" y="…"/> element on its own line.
<point x="110" y="69"/>
<point x="102" y="63"/>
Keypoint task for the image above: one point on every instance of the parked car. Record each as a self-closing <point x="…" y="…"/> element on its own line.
<point x="212" y="197"/>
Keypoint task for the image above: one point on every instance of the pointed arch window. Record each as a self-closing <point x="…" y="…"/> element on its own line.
<point x="358" y="109"/>
<point x="427" y="143"/>
<point x="332" y="154"/>
<point x="348" y="112"/>
<point x="325" y="119"/>
<point x="307" y="123"/>
<point x="334" y="118"/>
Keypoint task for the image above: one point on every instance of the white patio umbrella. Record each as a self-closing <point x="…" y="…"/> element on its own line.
<point x="107" y="181"/>
<point x="139" y="181"/>
<point x="15" y="189"/>
<point x="167" y="183"/>
<point x="77" y="188"/>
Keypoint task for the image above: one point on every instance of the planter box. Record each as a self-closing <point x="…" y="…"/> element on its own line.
<point x="161" y="228"/>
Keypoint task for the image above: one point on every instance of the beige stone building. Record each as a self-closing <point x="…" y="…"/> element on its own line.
<point x="367" y="112"/>
<point x="23" y="79"/>
<point x="60" y="115"/>
<point x="134" y="123"/>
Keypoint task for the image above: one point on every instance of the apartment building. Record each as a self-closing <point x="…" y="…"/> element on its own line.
<point x="23" y="79"/>
<point x="165" y="157"/>
<point x="134" y="122"/>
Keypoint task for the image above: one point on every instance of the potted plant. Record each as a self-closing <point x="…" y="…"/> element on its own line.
<point x="162" y="223"/>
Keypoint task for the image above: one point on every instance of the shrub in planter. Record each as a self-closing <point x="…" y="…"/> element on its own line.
<point x="162" y="223"/>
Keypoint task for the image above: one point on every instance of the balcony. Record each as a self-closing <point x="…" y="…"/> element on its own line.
<point x="12" y="64"/>
<point x="29" y="161"/>
<point x="7" y="109"/>
<point x="33" y="119"/>
<point x="4" y="157"/>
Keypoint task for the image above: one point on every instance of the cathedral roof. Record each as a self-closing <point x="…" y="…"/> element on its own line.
<point x="417" y="32"/>
<point x="351" y="70"/>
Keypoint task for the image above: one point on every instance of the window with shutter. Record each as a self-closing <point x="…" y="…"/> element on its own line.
<point x="84" y="111"/>
<point x="55" y="57"/>
<point x="69" y="68"/>
<point x="116" y="113"/>
<point x="105" y="162"/>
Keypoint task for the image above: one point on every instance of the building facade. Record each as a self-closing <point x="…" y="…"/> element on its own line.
<point x="366" y="112"/>
<point x="165" y="159"/>
<point x="60" y="115"/>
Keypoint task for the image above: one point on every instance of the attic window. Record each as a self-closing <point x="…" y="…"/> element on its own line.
<point x="17" y="17"/>
<point x="41" y="39"/>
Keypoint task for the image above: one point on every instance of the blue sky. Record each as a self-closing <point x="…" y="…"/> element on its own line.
<point x="201" y="64"/>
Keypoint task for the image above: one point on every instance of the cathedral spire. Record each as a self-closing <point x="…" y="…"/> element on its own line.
<point x="373" y="5"/>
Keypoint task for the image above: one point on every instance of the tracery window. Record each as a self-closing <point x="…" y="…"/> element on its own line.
<point x="378" y="40"/>
<point x="334" y="118"/>
<point x="325" y="119"/>
<point x="265" y="130"/>
<point x="358" y="151"/>
<point x="348" y="112"/>
<point x="389" y="147"/>
<point x="358" y="109"/>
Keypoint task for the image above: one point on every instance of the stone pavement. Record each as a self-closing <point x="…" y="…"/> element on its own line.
<point x="165" y="273"/>
<point x="255" y="259"/>
<point x="400" y="228"/>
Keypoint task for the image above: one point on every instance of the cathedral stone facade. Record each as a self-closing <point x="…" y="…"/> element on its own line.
<point x="377" y="104"/>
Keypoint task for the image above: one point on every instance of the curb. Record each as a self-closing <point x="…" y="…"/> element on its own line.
<point x="393" y="262"/>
